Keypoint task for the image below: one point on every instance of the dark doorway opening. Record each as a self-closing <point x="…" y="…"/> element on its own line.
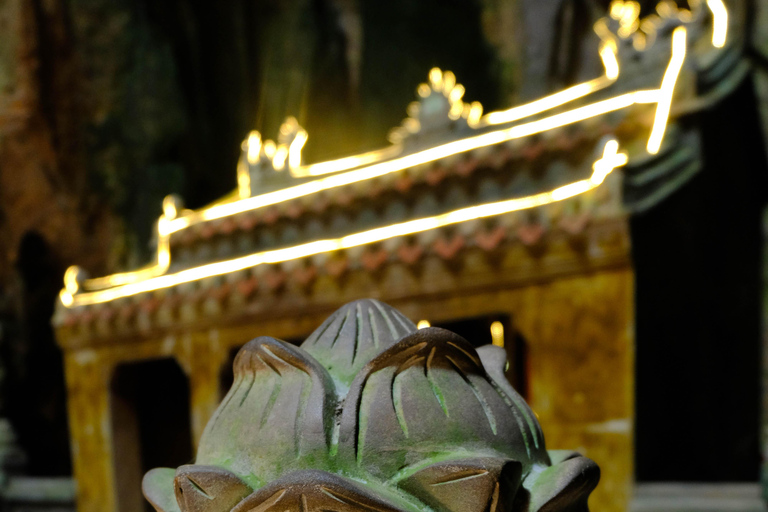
<point x="697" y="259"/>
<point x="150" y="425"/>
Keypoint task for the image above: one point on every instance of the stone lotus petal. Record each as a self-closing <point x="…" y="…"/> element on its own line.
<point x="208" y="487"/>
<point x="427" y="396"/>
<point x="157" y="485"/>
<point x="466" y="485"/>
<point x="276" y="418"/>
<point x="563" y="486"/>
<point x="372" y="414"/>
<point x="319" y="491"/>
<point x="354" y="335"/>
<point x="494" y="361"/>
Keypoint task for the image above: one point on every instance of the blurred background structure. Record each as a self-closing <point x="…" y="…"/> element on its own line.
<point x="632" y="309"/>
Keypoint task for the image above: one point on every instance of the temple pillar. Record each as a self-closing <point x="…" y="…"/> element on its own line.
<point x="88" y="384"/>
<point x="203" y="359"/>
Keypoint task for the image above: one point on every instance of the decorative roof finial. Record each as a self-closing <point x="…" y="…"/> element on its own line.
<point x="440" y="105"/>
<point x="261" y="160"/>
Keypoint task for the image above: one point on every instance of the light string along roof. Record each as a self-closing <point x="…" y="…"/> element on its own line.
<point x="493" y="128"/>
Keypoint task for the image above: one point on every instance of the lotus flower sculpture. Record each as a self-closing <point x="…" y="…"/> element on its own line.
<point x="372" y="414"/>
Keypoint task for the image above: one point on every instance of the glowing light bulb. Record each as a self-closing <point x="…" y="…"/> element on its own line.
<point x="497" y="333"/>
<point x="254" y="147"/>
<point x="719" y="22"/>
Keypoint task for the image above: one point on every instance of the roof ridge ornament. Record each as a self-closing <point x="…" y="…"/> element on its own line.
<point x="263" y="163"/>
<point x="439" y="109"/>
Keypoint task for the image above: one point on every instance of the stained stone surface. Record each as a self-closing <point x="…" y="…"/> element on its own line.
<point x="371" y="413"/>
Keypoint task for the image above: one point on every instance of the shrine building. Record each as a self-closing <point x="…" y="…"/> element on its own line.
<point x="509" y="227"/>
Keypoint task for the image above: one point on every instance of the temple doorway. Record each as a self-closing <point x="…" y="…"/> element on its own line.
<point x="151" y="425"/>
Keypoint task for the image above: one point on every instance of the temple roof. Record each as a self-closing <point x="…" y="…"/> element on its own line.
<point x="452" y="180"/>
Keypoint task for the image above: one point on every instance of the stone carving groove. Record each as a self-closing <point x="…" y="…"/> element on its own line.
<point x="371" y="413"/>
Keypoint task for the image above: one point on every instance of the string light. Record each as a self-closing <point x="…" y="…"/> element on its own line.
<point x="243" y="180"/>
<point x="416" y="159"/>
<point x="347" y="163"/>
<point x="281" y="155"/>
<point x="294" y="150"/>
<point x="168" y="226"/>
<point x="253" y="146"/>
<point x="611" y="63"/>
<point x="626" y="13"/>
<point x="378" y="163"/>
<point x="610" y="159"/>
<point x="667" y="90"/>
<point x="497" y="333"/>
<point x="423" y="324"/>
<point x="542" y="105"/>
<point x="432" y="154"/>
<point x="719" y="22"/>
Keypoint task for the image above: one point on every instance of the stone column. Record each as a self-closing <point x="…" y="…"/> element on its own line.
<point x="203" y="360"/>
<point x="88" y="384"/>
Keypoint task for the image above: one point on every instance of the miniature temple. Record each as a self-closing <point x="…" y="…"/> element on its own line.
<point x="520" y="215"/>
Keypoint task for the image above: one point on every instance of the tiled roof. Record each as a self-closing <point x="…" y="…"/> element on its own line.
<point x="520" y="156"/>
<point x="499" y="173"/>
<point x="526" y="238"/>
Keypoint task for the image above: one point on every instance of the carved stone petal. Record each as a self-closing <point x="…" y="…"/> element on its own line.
<point x="494" y="361"/>
<point x="428" y="394"/>
<point x="208" y="489"/>
<point x="565" y="487"/>
<point x="467" y="485"/>
<point x="355" y="334"/>
<point x="276" y="418"/>
<point x="317" y="491"/>
<point x="558" y="456"/>
<point x="157" y="487"/>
